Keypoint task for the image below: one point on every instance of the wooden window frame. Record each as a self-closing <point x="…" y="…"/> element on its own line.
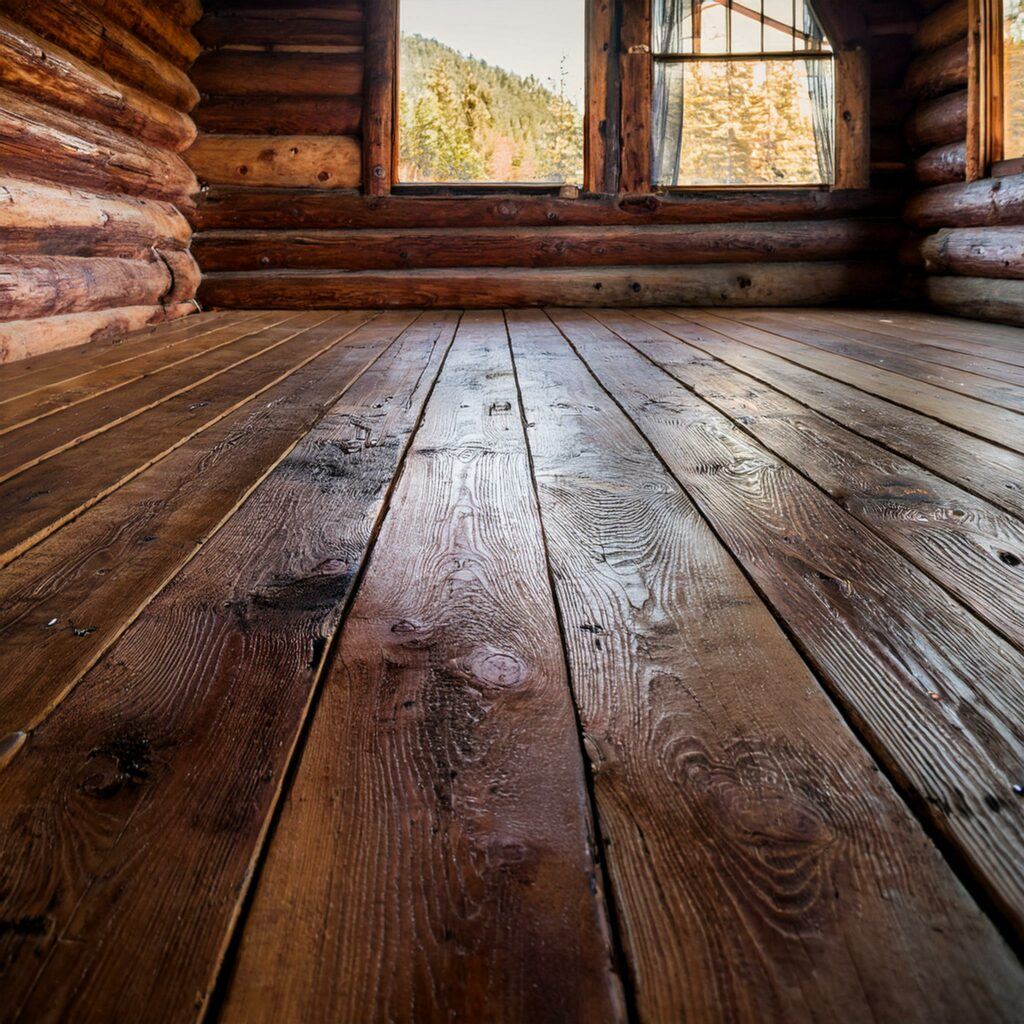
<point x="985" y="102"/>
<point x="617" y="143"/>
<point x="846" y="32"/>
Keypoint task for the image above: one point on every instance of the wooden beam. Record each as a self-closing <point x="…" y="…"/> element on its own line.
<point x="744" y="284"/>
<point x="636" y="76"/>
<point x="380" y="97"/>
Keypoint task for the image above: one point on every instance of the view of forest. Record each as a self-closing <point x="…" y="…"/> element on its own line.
<point x="743" y="123"/>
<point x="462" y="119"/>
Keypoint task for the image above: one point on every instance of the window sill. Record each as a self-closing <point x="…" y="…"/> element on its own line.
<point x="456" y="189"/>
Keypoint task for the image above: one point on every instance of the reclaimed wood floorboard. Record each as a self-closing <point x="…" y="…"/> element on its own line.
<point x="935" y="692"/>
<point x="433" y="859"/>
<point x="66" y="600"/>
<point x="133" y="816"/>
<point x="739" y="812"/>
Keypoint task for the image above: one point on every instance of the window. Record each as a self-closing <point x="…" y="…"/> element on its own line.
<point x="491" y="92"/>
<point x="1011" y="67"/>
<point x="743" y="94"/>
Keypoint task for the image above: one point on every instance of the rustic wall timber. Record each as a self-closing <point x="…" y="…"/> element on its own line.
<point x="290" y="213"/>
<point x="94" y="117"/>
<point x="967" y="253"/>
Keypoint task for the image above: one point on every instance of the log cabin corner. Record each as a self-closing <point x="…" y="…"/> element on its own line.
<point x="512" y="512"/>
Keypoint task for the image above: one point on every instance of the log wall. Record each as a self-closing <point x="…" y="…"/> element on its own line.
<point x="966" y="253"/>
<point x="296" y="207"/>
<point x="94" y="118"/>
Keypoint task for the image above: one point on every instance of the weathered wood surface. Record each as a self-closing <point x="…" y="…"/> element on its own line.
<point x="38" y="140"/>
<point x="39" y="218"/>
<point x="45" y="72"/>
<point x="982" y="297"/>
<point x="286" y="208"/>
<point x="959" y="381"/>
<point x="27" y="375"/>
<point x="91" y="35"/>
<point x="544" y="247"/>
<point x="972" y="204"/>
<point x="139" y="537"/>
<point x="339" y="25"/>
<point x="45" y="437"/>
<point x="691" y="700"/>
<point x="310" y="161"/>
<point x="380" y="100"/>
<point x="934" y="692"/>
<point x="940" y="121"/>
<point x="981" y="467"/>
<point x="167" y="778"/>
<point x="942" y="26"/>
<point x="949" y="533"/>
<point x="155" y="26"/>
<point x="39" y="286"/>
<point x="23" y="339"/>
<point x="939" y="72"/>
<point x="742" y="284"/>
<point x="280" y="115"/>
<point x="251" y="73"/>
<point x="942" y="165"/>
<point x="440" y="866"/>
<point x="968" y="415"/>
<point x="975" y="252"/>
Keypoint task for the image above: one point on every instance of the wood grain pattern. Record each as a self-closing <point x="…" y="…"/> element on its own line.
<point x="933" y="691"/>
<point x="739" y="811"/>
<point x="964" y="543"/>
<point x="151" y="786"/>
<point x="433" y="860"/>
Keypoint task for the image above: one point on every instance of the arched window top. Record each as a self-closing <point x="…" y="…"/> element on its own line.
<point x="732" y="27"/>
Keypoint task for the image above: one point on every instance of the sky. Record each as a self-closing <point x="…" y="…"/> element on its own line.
<point x="528" y="37"/>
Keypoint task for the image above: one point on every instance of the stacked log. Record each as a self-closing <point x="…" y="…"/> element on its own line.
<point x="94" y="102"/>
<point x="282" y="95"/>
<point x="967" y="254"/>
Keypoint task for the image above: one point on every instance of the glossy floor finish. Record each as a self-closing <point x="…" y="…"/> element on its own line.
<point x="527" y="666"/>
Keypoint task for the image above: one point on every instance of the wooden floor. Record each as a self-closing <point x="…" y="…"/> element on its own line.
<point x="527" y="666"/>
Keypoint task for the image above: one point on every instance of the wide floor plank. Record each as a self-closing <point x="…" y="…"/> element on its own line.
<point x="50" y="493"/>
<point x="432" y="861"/>
<point x="962" y="542"/>
<point x="979" y="466"/>
<point x="936" y="693"/>
<point x="1001" y="390"/>
<point x="133" y="816"/>
<point x="967" y="414"/>
<point x="739" y="811"/>
<point x="66" y="600"/>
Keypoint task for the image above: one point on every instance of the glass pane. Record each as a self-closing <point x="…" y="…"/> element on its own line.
<point x="746" y="27"/>
<point x="714" y="22"/>
<point x="672" y="26"/>
<point x="778" y="26"/>
<point x="757" y="122"/>
<point x="485" y="97"/>
<point x="1013" y="79"/>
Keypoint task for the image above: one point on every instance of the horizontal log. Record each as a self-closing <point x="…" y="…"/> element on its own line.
<point x="305" y="209"/>
<point x="34" y="66"/>
<point x="939" y="72"/>
<point x="184" y="12"/>
<point x="38" y="286"/>
<point x="155" y="26"/>
<point x="939" y="122"/>
<point x="283" y="26"/>
<point x="974" y="252"/>
<point x="39" y="141"/>
<point x="942" y="26"/>
<point x="942" y="165"/>
<point x="39" y="219"/>
<point x="354" y="7"/>
<point x="543" y="247"/>
<point x="253" y="73"/>
<point x="311" y="161"/>
<point x="24" y="339"/>
<point x="980" y="298"/>
<point x="92" y="36"/>
<point x="280" y="115"/>
<point x="185" y="276"/>
<point x="971" y="204"/>
<point x="749" y="284"/>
